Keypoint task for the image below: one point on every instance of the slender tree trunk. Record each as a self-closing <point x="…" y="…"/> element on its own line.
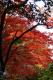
<point x="3" y="64"/>
<point x="1" y="58"/>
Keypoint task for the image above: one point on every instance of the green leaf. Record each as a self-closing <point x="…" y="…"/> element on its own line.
<point x="2" y="79"/>
<point x="19" y="78"/>
<point x="44" y="78"/>
<point x="18" y="41"/>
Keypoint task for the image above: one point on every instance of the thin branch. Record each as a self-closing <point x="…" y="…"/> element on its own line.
<point x="14" y="41"/>
<point x="14" y="35"/>
<point x="12" y="52"/>
<point x="17" y="39"/>
<point x="7" y="9"/>
<point x="1" y="29"/>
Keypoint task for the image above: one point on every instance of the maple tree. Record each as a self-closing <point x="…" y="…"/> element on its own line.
<point x="21" y="47"/>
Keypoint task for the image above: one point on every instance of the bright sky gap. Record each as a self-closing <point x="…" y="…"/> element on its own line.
<point x="41" y="28"/>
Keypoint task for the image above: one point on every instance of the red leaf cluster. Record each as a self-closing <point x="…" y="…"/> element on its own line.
<point x="32" y="50"/>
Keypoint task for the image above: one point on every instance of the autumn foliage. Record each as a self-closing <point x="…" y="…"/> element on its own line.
<point x="29" y="51"/>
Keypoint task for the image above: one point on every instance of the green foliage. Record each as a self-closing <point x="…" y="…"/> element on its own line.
<point x="18" y="42"/>
<point x="44" y="78"/>
<point x="47" y="74"/>
<point x="19" y="78"/>
<point x="2" y="79"/>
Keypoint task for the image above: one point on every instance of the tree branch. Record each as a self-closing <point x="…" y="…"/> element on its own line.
<point x="18" y="39"/>
<point x="1" y="29"/>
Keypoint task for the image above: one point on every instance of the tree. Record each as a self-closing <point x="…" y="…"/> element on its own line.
<point x="21" y="40"/>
